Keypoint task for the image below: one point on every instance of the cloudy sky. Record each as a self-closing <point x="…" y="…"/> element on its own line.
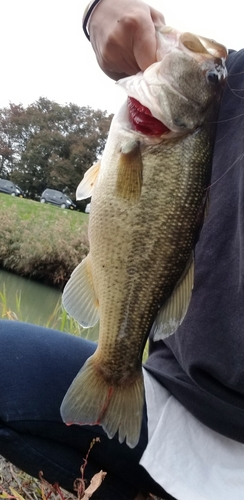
<point x="44" y="52"/>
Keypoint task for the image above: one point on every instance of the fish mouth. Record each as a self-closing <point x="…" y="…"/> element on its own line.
<point x="143" y="121"/>
<point x="167" y="87"/>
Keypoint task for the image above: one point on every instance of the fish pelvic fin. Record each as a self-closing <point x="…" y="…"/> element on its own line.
<point x="79" y="298"/>
<point x="91" y="400"/>
<point x="172" y="313"/>
<point x="86" y="186"/>
<point x="130" y="167"/>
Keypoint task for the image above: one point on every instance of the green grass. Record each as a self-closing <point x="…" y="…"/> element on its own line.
<point x="29" y="209"/>
<point x="41" y="241"/>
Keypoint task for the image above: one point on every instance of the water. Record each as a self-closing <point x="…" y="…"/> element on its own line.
<point x="38" y="304"/>
<point x="38" y="301"/>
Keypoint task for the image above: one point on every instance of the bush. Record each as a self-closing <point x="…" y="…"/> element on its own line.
<point x="41" y="242"/>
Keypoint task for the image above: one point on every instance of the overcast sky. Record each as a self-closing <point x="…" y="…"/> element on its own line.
<point x="44" y="52"/>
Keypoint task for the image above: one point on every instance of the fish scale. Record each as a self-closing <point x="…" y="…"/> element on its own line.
<point x="148" y="196"/>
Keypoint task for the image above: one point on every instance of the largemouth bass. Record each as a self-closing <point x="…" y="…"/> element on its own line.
<point x="148" y="194"/>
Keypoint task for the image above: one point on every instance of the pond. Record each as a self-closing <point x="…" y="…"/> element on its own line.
<point x="34" y="302"/>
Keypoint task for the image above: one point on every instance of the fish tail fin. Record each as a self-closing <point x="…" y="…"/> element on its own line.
<point x="92" y="400"/>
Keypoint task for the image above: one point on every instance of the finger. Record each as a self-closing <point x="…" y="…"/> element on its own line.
<point x="144" y="49"/>
<point x="114" y="75"/>
<point x="120" y="63"/>
<point x="144" y="46"/>
<point x="117" y="68"/>
<point x="157" y="18"/>
<point x="145" y="41"/>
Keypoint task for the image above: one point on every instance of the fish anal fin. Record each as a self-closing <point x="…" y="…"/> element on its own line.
<point x="92" y="400"/>
<point x="86" y="186"/>
<point x="172" y="313"/>
<point x="79" y="298"/>
<point x="130" y="166"/>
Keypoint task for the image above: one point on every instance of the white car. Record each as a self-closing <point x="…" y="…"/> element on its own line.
<point x="87" y="209"/>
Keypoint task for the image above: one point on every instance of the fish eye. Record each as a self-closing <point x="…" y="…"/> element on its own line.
<point x="213" y="77"/>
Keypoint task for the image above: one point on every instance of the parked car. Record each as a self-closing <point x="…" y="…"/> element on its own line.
<point x="9" y="187"/>
<point x="57" y="198"/>
<point x="87" y="209"/>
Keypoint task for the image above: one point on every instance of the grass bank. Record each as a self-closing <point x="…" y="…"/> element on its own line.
<point x="41" y="241"/>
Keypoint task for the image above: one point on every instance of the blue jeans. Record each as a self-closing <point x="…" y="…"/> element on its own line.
<point x="37" y="365"/>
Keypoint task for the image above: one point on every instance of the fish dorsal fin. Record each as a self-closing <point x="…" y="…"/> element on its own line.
<point x="129" y="179"/>
<point x="79" y="298"/>
<point x="172" y="313"/>
<point x="86" y="186"/>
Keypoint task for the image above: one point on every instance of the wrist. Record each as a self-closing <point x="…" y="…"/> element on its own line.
<point x="87" y="15"/>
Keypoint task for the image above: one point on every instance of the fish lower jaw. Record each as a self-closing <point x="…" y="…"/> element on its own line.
<point x="150" y="140"/>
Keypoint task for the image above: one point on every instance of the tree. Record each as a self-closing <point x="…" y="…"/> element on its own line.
<point x="49" y="145"/>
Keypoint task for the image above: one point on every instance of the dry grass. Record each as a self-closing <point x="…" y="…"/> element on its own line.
<point x="17" y="485"/>
<point x="41" y="241"/>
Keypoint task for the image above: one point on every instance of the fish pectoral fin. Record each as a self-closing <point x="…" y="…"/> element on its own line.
<point x="93" y="400"/>
<point x="172" y="313"/>
<point x="86" y="186"/>
<point x="130" y="168"/>
<point x="79" y="298"/>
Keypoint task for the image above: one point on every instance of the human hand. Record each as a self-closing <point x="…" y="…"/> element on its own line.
<point x="122" y="34"/>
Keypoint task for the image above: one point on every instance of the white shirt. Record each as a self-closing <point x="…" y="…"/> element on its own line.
<point x="189" y="460"/>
